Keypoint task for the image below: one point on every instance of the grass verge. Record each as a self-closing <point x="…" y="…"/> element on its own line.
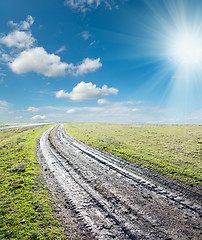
<point x="174" y="150"/>
<point x="9" y="124"/>
<point x="26" y="211"/>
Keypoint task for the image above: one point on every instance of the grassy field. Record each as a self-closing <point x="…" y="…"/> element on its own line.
<point x="7" y="124"/>
<point x="26" y="211"/>
<point x="174" y="150"/>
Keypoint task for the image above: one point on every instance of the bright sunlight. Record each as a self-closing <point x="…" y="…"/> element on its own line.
<point x="186" y="49"/>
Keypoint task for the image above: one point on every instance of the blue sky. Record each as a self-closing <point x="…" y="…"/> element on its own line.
<point x="117" y="61"/>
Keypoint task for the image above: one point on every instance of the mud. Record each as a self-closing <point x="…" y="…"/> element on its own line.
<point x="104" y="197"/>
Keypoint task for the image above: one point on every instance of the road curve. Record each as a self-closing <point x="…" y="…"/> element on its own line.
<point x="114" y="199"/>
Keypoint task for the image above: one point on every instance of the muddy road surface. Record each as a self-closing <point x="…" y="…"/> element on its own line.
<point x="108" y="198"/>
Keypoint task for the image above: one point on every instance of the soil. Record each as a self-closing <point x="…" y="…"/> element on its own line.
<point x="100" y="196"/>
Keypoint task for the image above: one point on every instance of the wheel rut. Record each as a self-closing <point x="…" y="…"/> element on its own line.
<point x="113" y="199"/>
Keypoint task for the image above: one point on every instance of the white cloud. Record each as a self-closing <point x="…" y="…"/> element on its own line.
<point x="92" y="43"/>
<point x="86" y="109"/>
<point x="86" y="91"/>
<point x="105" y="91"/>
<point x="18" y="117"/>
<point x="87" y="5"/>
<point x="23" y="25"/>
<point x="119" y="112"/>
<point x="195" y="117"/>
<point x="62" y="94"/>
<point x="3" y="106"/>
<point x="93" y="109"/>
<point x="135" y="110"/>
<point x="4" y="103"/>
<point x="62" y="49"/>
<point x="50" y="65"/>
<point x="115" y="112"/>
<point x="33" y="109"/>
<point x="87" y="65"/>
<point x="36" y="59"/>
<point x="71" y="110"/>
<point x="18" y="39"/>
<point x="82" y="5"/>
<point x="103" y="101"/>
<point x="39" y="117"/>
<point x="39" y="61"/>
<point x="86" y="35"/>
<point x="6" y="58"/>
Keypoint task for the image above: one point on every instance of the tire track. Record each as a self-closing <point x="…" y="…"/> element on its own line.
<point x="121" y="168"/>
<point x="114" y="201"/>
<point x="92" y="208"/>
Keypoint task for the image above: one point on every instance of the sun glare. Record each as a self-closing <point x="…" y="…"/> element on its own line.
<point x="186" y="49"/>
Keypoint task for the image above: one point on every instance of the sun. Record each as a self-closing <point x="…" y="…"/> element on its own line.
<point x="186" y="49"/>
<point x="173" y="53"/>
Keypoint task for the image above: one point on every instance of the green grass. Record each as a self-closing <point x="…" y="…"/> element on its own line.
<point x="8" y="124"/>
<point x="174" y="150"/>
<point x="26" y="210"/>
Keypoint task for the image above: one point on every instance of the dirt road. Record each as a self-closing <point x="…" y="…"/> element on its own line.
<point x="112" y="199"/>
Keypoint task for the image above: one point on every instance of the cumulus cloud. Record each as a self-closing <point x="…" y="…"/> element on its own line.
<point x="62" y="94"/>
<point x="39" y="117"/>
<point x="23" y="25"/>
<point x="103" y="101"/>
<point x="50" y="65"/>
<point x="39" y="61"/>
<point x="18" y="39"/>
<point x="88" y="65"/>
<point x="36" y="59"/>
<point x="33" y="109"/>
<point x="86" y="91"/>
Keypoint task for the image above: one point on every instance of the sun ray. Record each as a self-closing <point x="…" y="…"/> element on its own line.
<point x="174" y="36"/>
